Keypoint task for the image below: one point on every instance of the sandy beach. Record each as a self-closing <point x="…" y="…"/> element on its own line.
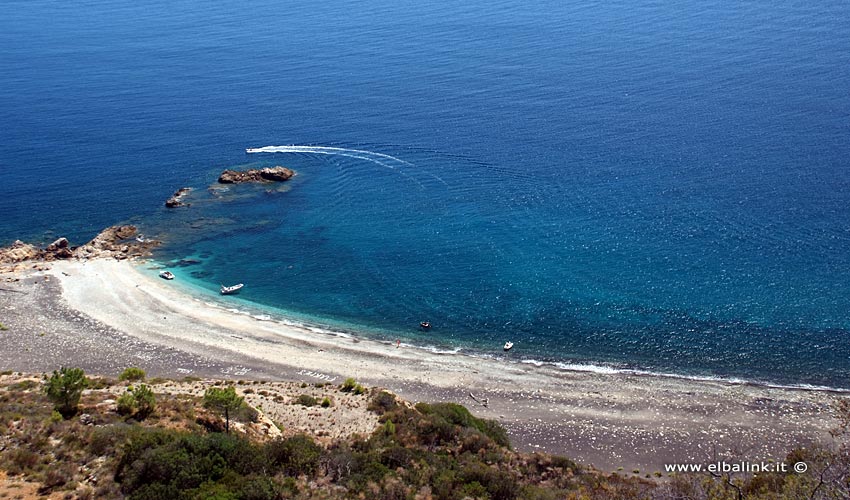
<point x="104" y="315"/>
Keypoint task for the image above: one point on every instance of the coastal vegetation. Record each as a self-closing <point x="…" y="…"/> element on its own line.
<point x="423" y="451"/>
<point x="225" y="401"/>
<point x="132" y="374"/>
<point x="64" y="388"/>
<point x="138" y="402"/>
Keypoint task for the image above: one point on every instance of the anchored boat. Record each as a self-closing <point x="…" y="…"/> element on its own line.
<point x="227" y="290"/>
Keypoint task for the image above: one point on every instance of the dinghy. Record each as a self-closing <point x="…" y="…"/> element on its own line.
<point x="226" y="290"/>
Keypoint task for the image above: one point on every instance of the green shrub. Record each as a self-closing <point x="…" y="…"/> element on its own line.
<point x="145" y="401"/>
<point x="64" y="388"/>
<point x="126" y="404"/>
<point x="138" y="402"/>
<point x="348" y="385"/>
<point x="132" y="374"/>
<point x="326" y="402"/>
<point x="246" y="413"/>
<point x="24" y="385"/>
<point x="359" y="389"/>
<point x="306" y="400"/>
<point x="396" y="456"/>
<point x="20" y="461"/>
<point x="458" y="415"/>
<point x="156" y="461"/>
<point x="295" y="455"/>
<point x="108" y="438"/>
<point x="3" y="327"/>
<point x="382" y="402"/>
<point x="389" y="428"/>
<point x="499" y="484"/>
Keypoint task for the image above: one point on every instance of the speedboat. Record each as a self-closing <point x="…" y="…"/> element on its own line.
<point x="226" y="290"/>
<point x="166" y="275"/>
<point x="509" y="345"/>
<point x="425" y="325"/>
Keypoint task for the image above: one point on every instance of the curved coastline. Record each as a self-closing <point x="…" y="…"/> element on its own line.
<point x="104" y="315"/>
<point x="326" y="326"/>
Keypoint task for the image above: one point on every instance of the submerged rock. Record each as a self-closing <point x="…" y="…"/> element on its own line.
<point x="273" y="174"/>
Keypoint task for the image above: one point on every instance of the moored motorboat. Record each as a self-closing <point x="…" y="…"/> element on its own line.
<point x="509" y="345"/>
<point x="226" y="290"/>
<point x="166" y="275"/>
<point x="425" y="325"/>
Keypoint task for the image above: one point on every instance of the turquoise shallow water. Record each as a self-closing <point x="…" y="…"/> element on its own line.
<point x="645" y="186"/>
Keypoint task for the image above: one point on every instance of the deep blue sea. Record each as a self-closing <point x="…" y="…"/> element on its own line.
<point x="641" y="185"/>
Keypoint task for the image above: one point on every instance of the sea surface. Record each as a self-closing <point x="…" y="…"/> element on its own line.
<point x="642" y="185"/>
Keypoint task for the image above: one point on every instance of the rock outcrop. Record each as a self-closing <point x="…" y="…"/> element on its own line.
<point x="113" y="242"/>
<point x="19" y="252"/>
<point x="59" y="249"/>
<point x="273" y="174"/>
<point x="176" y="199"/>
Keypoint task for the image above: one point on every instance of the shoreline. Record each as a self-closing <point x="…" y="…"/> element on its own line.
<point x="262" y="312"/>
<point x="630" y="420"/>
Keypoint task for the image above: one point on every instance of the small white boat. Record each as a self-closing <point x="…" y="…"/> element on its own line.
<point x="509" y="345"/>
<point x="226" y="290"/>
<point x="166" y="275"/>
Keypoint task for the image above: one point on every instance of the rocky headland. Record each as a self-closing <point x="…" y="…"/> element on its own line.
<point x="117" y="242"/>
<point x="270" y="174"/>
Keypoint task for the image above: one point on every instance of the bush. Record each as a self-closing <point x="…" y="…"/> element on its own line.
<point x="138" y="402"/>
<point x="382" y="402"/>
<point x="126" y="404"/>
<point x="132" y="374"/>
<point x="359" y="389"/>
<point x="458" y="415"/>
<point x="296" y="455"/>
<point x="64" y="388"/>
<point x="56" y="477"/>
<point x="306" y="400"/>
<point x="326" y="403"/>
<point x="348" y="385"/>
<point x="157" y="461"/>
<point x="499" y="484"/>
<point x="105" y="439"/>
<point x="24" y="385"/>
<point x="145" y="401"/>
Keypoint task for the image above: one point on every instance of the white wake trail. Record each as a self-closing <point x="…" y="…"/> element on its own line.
<point x="360" y="154"/>
<point x="322" y="150"/>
